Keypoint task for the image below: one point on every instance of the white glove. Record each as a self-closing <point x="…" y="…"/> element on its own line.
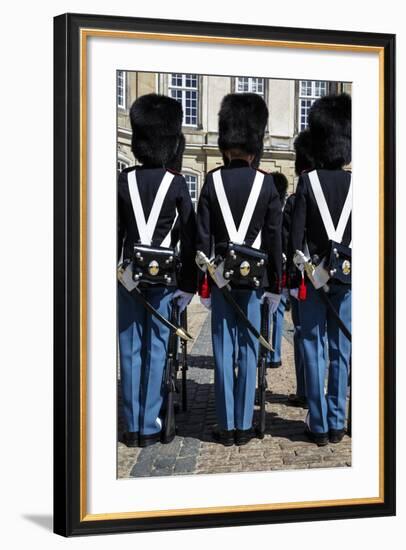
<point x="299" y="259"/>
<point x="273" y="301"/>
<point x="294" y="292"/>
<point x="206" y="302"/>
<point x="183" y="299"/>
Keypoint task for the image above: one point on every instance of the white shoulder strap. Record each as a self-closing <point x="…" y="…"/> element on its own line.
<point x="258" y="241"/>
<point x="146" y="228"/>
<point x="345" y="215"/>
<point x="237" y="236"/>
<point x="225" y="207"/>
<point x="332" y="233"/>
<point x="167" y="240"/>
<point x="250" y="206"/>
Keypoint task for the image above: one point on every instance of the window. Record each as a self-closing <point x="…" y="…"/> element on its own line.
<point x="121" y="95"/>
<point x="309" y="91"/>
<point x="121" y="164"/>
<point x="192" y="186"/>
<point x="185" y="89"/>
<point x="250" y="84"/>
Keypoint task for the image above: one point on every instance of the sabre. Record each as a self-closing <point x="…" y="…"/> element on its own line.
<point x="124" y="274"/>
<point x="262" y="382"/>
<point x="169" y="423"/>
<point x="205" y="264"/>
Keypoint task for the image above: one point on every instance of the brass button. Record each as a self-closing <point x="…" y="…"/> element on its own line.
<point x="245" y="268"/>
<point x="346" y="267"/>
<point x="153" y="268"/>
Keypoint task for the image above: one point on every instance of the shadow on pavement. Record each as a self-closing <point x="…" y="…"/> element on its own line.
<point x="200" y="418"/>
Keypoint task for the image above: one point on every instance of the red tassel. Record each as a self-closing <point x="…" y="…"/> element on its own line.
<point x="302" y="290"/>
<point x="205" y="288"/>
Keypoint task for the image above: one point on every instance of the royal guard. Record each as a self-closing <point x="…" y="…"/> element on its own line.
<point x="239" y="246"/>
<point x="277" y="319"/>
<point x="153" y="197"/>
<point x="303" y="163"/>
<point x="321" y="243"/>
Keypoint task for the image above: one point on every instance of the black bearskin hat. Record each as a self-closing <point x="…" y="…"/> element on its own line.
<point x="330" y="128"/>
<point x="175" y="163"/>
<point x="281" y="184"/>
<point x="304" y="155"/>
<point x="156" y="122"/>
<point x="242" y="122"/>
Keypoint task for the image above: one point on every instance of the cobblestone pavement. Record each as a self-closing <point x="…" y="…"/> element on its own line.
<point x="193" y="450"/>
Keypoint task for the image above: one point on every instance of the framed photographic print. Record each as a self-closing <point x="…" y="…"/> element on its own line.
<point x="219" y="357"/>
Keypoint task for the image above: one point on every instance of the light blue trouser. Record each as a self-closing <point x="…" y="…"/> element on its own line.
<point x="276" y="325"/>
<point x="326" y="411"/>
<point x="235" y="393"/>
<point x="298" y="349"/>
<point x="143" y="348"/>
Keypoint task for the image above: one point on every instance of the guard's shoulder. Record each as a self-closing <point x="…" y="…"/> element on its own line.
<point x="263" y="171"/>
<point x="128" y="169"/>
<point x="174" y="172"/>
<point x="123" y="175"/>
<point x="304" y="177"/>
<point x="305" y="173"/>
<point x="215" y="169"/>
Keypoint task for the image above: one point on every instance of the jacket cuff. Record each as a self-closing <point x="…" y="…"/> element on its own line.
<point x="187" y="285"/>
<point x="274" y="285"/>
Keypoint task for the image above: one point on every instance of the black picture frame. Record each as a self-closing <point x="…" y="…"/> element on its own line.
<point x="68" y="519"/>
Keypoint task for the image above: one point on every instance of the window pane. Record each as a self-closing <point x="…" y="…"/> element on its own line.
<point x="176" y="94"/>
<point x="184" y="88"/>
<point x="176" y="79"/>
<point x="121" y="164"/>
<point x="242" y="84"/>
<point x="191" y="81"/>
<point x="320" y="89"/>
<point x="121" y="89"/>
<point x="255" y="85"/>
<point x="304" y="106"/>
<point x="192" y="186"/>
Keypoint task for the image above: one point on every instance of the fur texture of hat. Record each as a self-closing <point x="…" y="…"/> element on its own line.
<point x="156" y="122"/>
<point x="330" y="128"/>
<point x="281" y="184"/>
<point x="242" y="122"/>
<point x="304" y="154"/>
<point x="175" y="163"/>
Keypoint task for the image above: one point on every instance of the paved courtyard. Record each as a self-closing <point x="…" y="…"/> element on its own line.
<point x="193" y="450"/>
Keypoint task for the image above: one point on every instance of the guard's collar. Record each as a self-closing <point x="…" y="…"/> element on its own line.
<point x="237" y="163"/>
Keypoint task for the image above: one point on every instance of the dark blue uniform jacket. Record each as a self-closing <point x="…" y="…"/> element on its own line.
<point x="177" y="198"/>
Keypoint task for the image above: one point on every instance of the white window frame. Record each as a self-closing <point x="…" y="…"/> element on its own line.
<point x="124" y="164"/>
<point x="308" y="97"/>
<point x="183" y="88"/>
<point x="123" y="103"/>
<point x="250" y="89"/>
<point x="194" y="200"/>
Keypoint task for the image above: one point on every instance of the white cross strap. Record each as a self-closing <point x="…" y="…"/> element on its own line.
<point x="167" y="240"/>
<point x="146" y="228"/>
<point x="238" y="235"/>
<point x="334" y="234"/>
